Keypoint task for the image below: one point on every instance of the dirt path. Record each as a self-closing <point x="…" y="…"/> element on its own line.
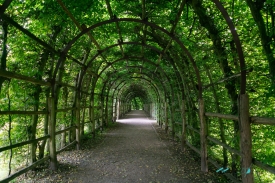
<point x="131" y="152"/>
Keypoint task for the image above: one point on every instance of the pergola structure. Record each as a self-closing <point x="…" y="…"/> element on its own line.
<point x="69" y="68"/>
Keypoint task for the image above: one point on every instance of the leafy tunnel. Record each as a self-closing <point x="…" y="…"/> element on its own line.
<point x="205" y="70"/>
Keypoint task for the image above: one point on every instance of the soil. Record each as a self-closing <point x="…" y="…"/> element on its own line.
<point x="134" y="149"/>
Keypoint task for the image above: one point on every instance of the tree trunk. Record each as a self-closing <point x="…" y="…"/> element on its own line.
<point x="255" y="8"/>
<point x="222" y="135"/>
<point x="207" y="22"/>
<point x="36" y="94"/>
<point x="4" y="51"/>
<point x="65" y="98"/>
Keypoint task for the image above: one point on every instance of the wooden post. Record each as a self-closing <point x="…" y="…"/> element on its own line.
<point x="121" y="108"/>
<point x="150" y="110"/>
<point x="90" y="120"/>
<point x="245" y="141"/>
<point x="107" y="115"/>
<point x="118" y="109"/>
<point x="82" y="121"/>
<point x="106" y="111"/>
<point x="93" y="117"/>
<point x="162" y="114"/>
<point x="166" y="117"/>
<point x="183" y="135"/>
<point x="172" y="120"/>
<point x="203" y="137"/>
<point x="153" y="110"/>
<point x="77" y="117"/>
<point x="114" y="110"/>
<point x="222" y="133"/>
<point x="52" y="143"/>
<point x="159" y="114"/>
<point x="102" y="115"/>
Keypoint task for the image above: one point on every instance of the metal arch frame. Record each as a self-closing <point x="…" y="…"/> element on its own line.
<point x="107" y="96"/>
<point x="63" y="53"/>
<point x="157" y="91"/>
<point x="165" y="75"/>
<point x="121" y="59"/>
<point x="171" y="87"/>
<point x="120" y="91"/>
<point x="69" y="45"/>
<point x="142" y="89"/>
<point x="155" y="86"/>
<point x="147" y="60"/>
<point x="119" y="77"/>
<point x="237" y="41"/>
<point x="150" y="62"/>
<point x="136" y="43"/>
<point x="159" y="96"/>
<point x="132" y="94"/>
<point x="146" y="68"/>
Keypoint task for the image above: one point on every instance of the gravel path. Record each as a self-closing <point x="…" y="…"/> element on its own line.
<point x="131" y="152"/>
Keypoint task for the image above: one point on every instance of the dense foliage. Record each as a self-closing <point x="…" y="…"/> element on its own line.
<point x="134" y="56"/>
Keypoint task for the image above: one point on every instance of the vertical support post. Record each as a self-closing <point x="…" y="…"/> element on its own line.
<point x="90" y="120"/>
<point x="166" y="117"/>
<point x="183" y="135"/>
<point x="93" y="117"/>
<point x="106" y="112"/>
<point x="162" y="117"/>
<point x="114" y="110"/>
<point x="102" y="115"/>
<point x="82" y="121"/>
<point x="172" y="120"/>
<point x="245" y="141"/>
<point x="159" y="113"/>
<point x="151" y="110"/>
<point x="77" y="117"/>
<point x="203" y="136"/>
<point x="52" y="143"/>
<point x="122" y="108"/>
<point x="118" y="109"/>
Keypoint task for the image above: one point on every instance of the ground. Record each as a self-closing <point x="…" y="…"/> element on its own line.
<point x="134" y="149"/>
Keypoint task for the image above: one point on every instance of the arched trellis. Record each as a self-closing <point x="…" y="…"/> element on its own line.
<point x="156" y="89"/>
<point x="171" y="109"/>
<point x="128" y="58"/>
<point x="233" y="31"/>
<point x="124" y="58"/>
<point x="149" y="82"/>
<point x="203" y="124"/>
<point x="117" y="88"/>
<point x="126" y="90"/>
<point x="151" y="47"/>
<point x="142" y="78"/>
<point x="66" y="49"/>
